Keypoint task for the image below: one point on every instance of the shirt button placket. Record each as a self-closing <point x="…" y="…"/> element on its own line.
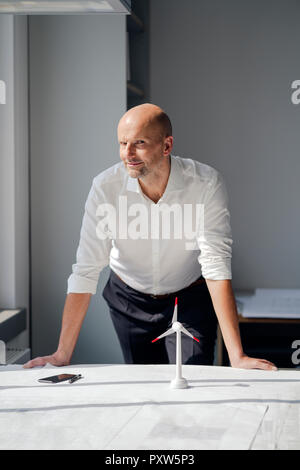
<point x="155" y="250"/>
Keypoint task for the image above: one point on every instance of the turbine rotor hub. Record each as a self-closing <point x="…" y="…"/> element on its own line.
<point x="177" y="326"/>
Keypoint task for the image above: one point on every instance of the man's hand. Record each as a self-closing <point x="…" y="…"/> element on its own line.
<point x="246" y="362"/>
<point x="56" y="359"/>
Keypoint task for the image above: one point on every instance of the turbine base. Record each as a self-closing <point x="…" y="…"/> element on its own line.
<point x="179" y="383"/>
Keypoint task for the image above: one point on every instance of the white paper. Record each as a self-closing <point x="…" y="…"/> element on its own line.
<point x="6" y="314"/>
<point x="188" y="427"/>
<point x="271" y="303"/>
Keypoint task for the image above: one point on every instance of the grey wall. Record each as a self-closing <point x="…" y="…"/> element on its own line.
<point x="14" y="205"/>
<point x="77" y="96"/>
<point x="223" y="71"/>
<point x="7" y="160"/>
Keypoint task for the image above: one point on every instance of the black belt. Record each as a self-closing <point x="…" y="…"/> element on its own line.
<point x="165" y="296"/>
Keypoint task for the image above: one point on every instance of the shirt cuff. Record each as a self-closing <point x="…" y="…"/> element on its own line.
<point x="217" y="269"/>
<point x="81" y="285"/>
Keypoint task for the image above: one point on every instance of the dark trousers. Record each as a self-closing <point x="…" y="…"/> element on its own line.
<point x="139" y="318"/>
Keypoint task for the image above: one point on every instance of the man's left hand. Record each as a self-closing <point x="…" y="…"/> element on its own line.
<point x="246" y="362"/>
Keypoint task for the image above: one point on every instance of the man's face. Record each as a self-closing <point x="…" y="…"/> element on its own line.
<point x="142" y="147"/>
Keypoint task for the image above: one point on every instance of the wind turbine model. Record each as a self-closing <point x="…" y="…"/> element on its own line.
<point x="179" y="381"/>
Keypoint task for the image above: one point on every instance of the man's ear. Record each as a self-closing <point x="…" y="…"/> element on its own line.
<point x="168" y="144"/>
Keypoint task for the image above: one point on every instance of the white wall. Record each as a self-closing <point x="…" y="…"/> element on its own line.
<point x="77" y="96"/>
<point x="223" y="71"/>
<point x="14" y="205"/>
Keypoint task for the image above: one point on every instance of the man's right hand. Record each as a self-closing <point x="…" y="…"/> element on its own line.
<point x="57" y="359"/>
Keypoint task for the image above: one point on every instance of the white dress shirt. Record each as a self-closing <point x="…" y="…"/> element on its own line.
<point x="148" y="260"/>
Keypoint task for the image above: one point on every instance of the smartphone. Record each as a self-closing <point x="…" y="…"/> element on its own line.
<point x="55" y="379"/>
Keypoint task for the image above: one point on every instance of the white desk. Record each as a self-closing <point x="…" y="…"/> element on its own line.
<point x="132" y="407"/>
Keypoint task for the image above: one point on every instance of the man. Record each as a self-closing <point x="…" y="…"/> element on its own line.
<point x="148" y="270"/>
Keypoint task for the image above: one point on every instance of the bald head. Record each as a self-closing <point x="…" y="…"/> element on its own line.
<point x="148" y="115"/>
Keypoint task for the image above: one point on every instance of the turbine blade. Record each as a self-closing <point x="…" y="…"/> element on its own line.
<point x="174" y="319"/>
<point x="189" y="334"/>
<point x="166" y="333"/>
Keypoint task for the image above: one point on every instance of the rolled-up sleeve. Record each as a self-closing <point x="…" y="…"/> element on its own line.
<point x="215" y="236"/>
<point x="92" y="253"/>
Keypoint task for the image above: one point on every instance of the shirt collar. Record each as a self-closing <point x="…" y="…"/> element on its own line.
<point x="175" y="181"/>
